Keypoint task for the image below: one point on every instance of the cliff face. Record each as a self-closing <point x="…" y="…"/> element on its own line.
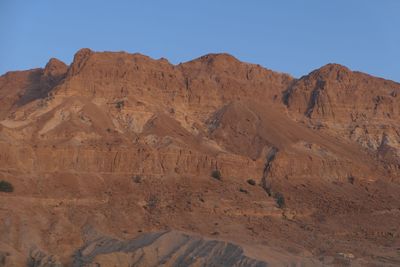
<point x="122" y="143"/>
<point x="359" y="107"/>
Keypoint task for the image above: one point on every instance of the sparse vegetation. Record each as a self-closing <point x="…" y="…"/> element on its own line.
<point x="42" y="103"/>
<point x="137" y="179"/>
<point x="251" y="182"/>
<point x="243" y="190"/>
<point x="119" y="104"/>
<point x="152" y="202"/>
<point x="280" y="200"/>
<point x="216" y="174"/>
<point x="351" y="179"/>
<point x="6" y="187"/>
<point x="268" y="190"/>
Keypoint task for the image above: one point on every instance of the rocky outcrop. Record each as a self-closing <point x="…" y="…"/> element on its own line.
<point x="13" y="86"/>
<point x="44" y="83"/>
<point x="359" y="107"/>
<point x="40" y="259"/>
<point x="142" y="160"/>
<point x="170" y="249"/>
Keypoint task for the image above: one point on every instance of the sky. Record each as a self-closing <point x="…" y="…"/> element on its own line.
<point x="288" y="36"/>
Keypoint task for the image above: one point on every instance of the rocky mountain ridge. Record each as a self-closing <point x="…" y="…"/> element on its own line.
<point x="123" y="143"/>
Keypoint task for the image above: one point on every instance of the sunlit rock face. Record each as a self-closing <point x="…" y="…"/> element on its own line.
<point x="220" y="159"/>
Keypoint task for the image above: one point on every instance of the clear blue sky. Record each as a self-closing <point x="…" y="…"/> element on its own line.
<point x="289" y="36"/>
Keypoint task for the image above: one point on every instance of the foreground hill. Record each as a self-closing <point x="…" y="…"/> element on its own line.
<point x="118" y="156"/>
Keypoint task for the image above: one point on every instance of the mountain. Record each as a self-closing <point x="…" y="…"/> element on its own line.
<point x="123" y="159"/>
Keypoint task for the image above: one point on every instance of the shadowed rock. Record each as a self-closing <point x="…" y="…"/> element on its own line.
<point x="171" y="248"/>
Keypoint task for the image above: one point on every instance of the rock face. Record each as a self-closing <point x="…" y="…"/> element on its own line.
<point x="165" y="249"/>
<point x="359" y="107"/>
<point x="124" y="144"/>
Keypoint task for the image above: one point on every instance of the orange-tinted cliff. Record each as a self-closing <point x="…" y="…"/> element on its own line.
<point x="118" y="144"/>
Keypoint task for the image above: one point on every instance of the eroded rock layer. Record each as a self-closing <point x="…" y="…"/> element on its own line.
<point x="254" y="166"/>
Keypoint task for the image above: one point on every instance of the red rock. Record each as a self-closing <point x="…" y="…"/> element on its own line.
<point x="74" y="140"/>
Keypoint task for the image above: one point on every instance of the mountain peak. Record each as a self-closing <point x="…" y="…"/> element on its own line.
<point x="218" y="56"/>
<point x="80" y="58"/>
<point x="331" y="71"/>
<point x="55" y="67"/>
<point x="213" y="58"/>
<point x="83" y="52"/>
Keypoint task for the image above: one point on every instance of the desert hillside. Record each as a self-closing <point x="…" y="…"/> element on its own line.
<point x="123" y="160"/>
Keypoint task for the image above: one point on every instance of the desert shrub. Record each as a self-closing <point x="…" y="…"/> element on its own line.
<point x="351" y="179"/>
<point x="216" y="174"/>
<point x="243" y="190"/>
<point x="6" y="187"/>
<point x="137" y="179"/>
<point x="119" y="104"/>
<point x="268" y="190"/>
<point x="152" y="202"/>
<point x="251" y="182"/>
<point x="280" y="199"/>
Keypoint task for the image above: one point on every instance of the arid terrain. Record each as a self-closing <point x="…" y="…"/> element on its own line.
<point x="123" y="160"/>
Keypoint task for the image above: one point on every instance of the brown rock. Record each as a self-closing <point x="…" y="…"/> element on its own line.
<point x="73" y="139"/>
